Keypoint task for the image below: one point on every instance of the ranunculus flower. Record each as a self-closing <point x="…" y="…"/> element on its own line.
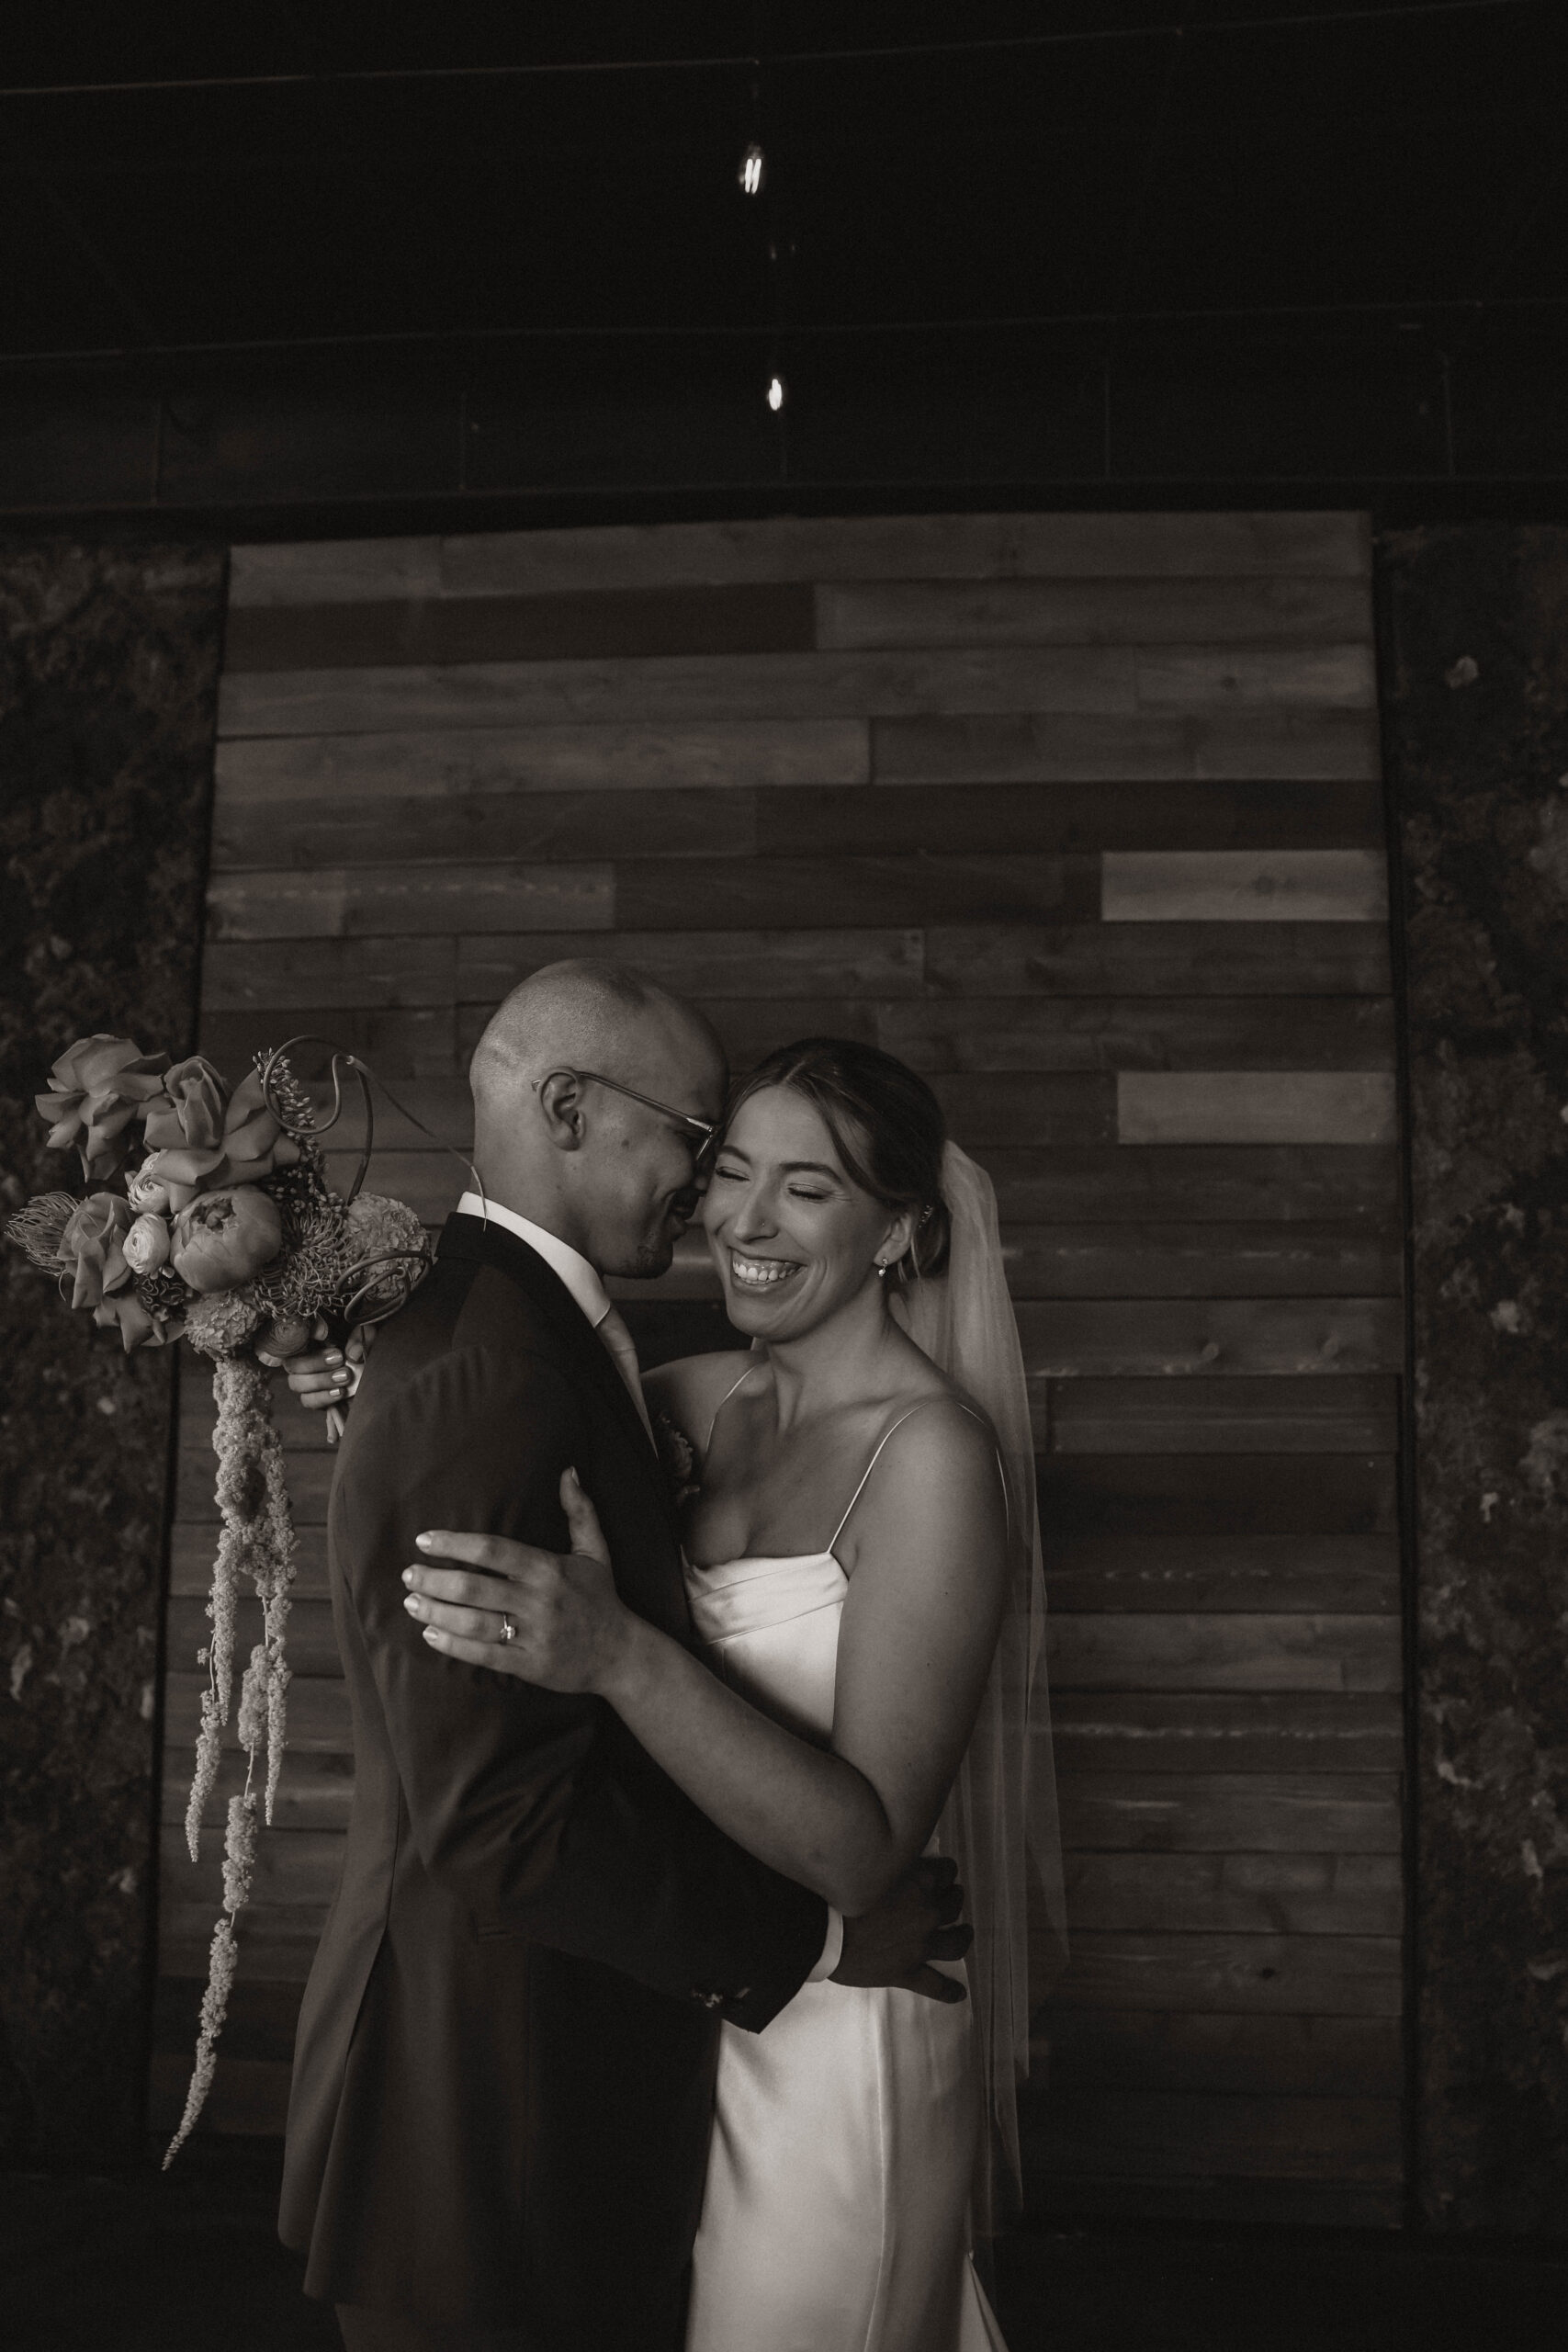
<point x="190" y="1108"/>
<point x="92" y="1247"/>
<point x="98" y="1086"/>
<point x="146" y="1245"/>
<point x="225" y="1237"/>
<point x="250" y="1146"/>
<point x="146" y="1194"/>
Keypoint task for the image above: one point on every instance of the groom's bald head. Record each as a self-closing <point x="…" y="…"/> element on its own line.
<point x="588" y="1014"/>
<point x="581" y="1159"/>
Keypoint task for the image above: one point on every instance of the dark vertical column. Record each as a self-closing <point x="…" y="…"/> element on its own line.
<point x="1476" y="695"/>
<point x="108" y="673"/>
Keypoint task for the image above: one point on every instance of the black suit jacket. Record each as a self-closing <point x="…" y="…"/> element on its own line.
<point x="502" y="2077"/>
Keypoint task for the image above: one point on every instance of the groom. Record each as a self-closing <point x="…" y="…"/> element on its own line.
<point x="504" y="2073"/>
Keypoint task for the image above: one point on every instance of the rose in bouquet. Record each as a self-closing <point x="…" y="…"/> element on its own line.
<point x="224" y="1232"/>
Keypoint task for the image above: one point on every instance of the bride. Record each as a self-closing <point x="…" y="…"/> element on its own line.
<point x="863" y="1570"/>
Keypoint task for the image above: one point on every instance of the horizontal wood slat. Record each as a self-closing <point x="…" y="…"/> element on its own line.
<point x="1102" y="681"/>
<point x="444" y="765"/>
<point x="1150" y="2050"/>
<point x="1153" y="747"/>
<point x="1072" y="2198"/>
<point x="534" y="825"/>
<point x="1271" y="1731"/>
<point x="712" y="962"/>
<point x="1070" y="814"/>
<point x="1279" y="1414"/>
<point x="1211" y="1336"/>
<point x="1092" y="612"/>
<point x="960" y="547"/>
<point x="1209" y="1651"/>
<point x="1323" y="1895"/>
<point x="1201" y="1261"/>
<point x="339" y="901"/>
<point x="1292" y="1570"/>
<point x="1203" y="1186"/>
<point x="1250" y="822"/>
<point x="1156" y="959"/>
<point x="1199" y="1032"/>
<point x="1291" y="2139"/>
<point x="1244" y="886"/>
<point x="755" y="618"/>
<point x="1257" y="1106"/>
<point x="783" y="894"/>
<point x="1215" y="1812"/>
<point x="1114" y="1497"/>
<point x="1215" y="1974"/>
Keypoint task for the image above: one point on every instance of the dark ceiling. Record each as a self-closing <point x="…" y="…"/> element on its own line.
<point x="997" y="245"/>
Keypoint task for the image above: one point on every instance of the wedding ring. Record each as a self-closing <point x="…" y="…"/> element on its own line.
<point x="508" y="1630"/>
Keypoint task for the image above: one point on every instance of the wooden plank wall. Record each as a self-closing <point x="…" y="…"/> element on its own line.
<point x="1079" y="814"/>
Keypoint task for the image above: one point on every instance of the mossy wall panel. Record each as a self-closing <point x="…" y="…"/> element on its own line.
<point x="1477" y="719"/>
<point x="108" y="675"/>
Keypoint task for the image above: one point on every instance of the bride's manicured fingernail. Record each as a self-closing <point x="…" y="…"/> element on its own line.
<point x="424" y="1542"/>
<point x="412" y="1604"/>
<point x="407" y="1576"/>
<point x="430" y="1634"/>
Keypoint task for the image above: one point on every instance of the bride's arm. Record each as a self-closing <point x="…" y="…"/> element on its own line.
<point x="919" y="1625"/>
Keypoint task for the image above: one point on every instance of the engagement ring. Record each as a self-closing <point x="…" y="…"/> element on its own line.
<point x="508" y="1630"/>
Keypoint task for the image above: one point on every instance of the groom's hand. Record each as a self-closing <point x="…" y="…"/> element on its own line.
<point x="916" y="1922"/>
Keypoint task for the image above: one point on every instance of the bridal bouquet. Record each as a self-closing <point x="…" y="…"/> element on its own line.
<point x="212" y="1220"/>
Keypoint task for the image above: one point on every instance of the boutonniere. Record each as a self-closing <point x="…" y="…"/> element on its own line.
<point x="679" y="1457"/>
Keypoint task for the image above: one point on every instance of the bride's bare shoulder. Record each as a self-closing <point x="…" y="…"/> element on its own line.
<point x="692" y="1389"/>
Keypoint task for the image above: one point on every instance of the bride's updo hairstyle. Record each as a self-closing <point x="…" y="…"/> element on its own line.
<point x="886" y="1126"/>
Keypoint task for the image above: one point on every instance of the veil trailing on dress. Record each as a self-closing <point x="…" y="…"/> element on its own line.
<point x="1000" y="1823"/>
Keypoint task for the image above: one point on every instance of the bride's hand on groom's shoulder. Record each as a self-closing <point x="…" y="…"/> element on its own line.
<point x="569" y="1629"/>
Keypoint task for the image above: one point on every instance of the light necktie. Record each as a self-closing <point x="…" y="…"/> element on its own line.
<point x="612" y="1329"/>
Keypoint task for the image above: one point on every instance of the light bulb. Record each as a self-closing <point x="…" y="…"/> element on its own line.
<point x="753" y="169"/>
<point x="775" y="393"/>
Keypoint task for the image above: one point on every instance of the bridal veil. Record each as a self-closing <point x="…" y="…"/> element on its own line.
<point x="1000" y="1822"/>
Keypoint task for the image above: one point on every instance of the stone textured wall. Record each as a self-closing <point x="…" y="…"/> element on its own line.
<point x="1476" y="700"/>
<point x="109" y="668"/>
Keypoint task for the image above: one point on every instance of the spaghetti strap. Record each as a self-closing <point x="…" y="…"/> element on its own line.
<point x="724" y="1401"/>
<point x="833" y="1541"/>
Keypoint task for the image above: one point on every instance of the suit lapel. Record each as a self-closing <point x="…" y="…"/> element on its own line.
<point x="492" y="1245"/>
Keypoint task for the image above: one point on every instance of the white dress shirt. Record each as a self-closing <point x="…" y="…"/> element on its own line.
<point x="587" y="1288"/>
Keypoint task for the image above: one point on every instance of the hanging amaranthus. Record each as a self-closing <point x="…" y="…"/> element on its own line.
<point x="214" y="1221"/>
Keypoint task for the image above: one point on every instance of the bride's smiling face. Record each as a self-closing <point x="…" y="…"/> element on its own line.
<point x="793" y="1236"/>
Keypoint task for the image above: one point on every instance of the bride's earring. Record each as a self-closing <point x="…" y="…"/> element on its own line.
<point x="882" y="1265"/>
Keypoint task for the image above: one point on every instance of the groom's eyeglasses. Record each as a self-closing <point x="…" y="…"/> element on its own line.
<point x="703" y="1134"/>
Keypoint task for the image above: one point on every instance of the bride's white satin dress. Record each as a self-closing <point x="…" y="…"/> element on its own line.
<point x="836" y="2217"/>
